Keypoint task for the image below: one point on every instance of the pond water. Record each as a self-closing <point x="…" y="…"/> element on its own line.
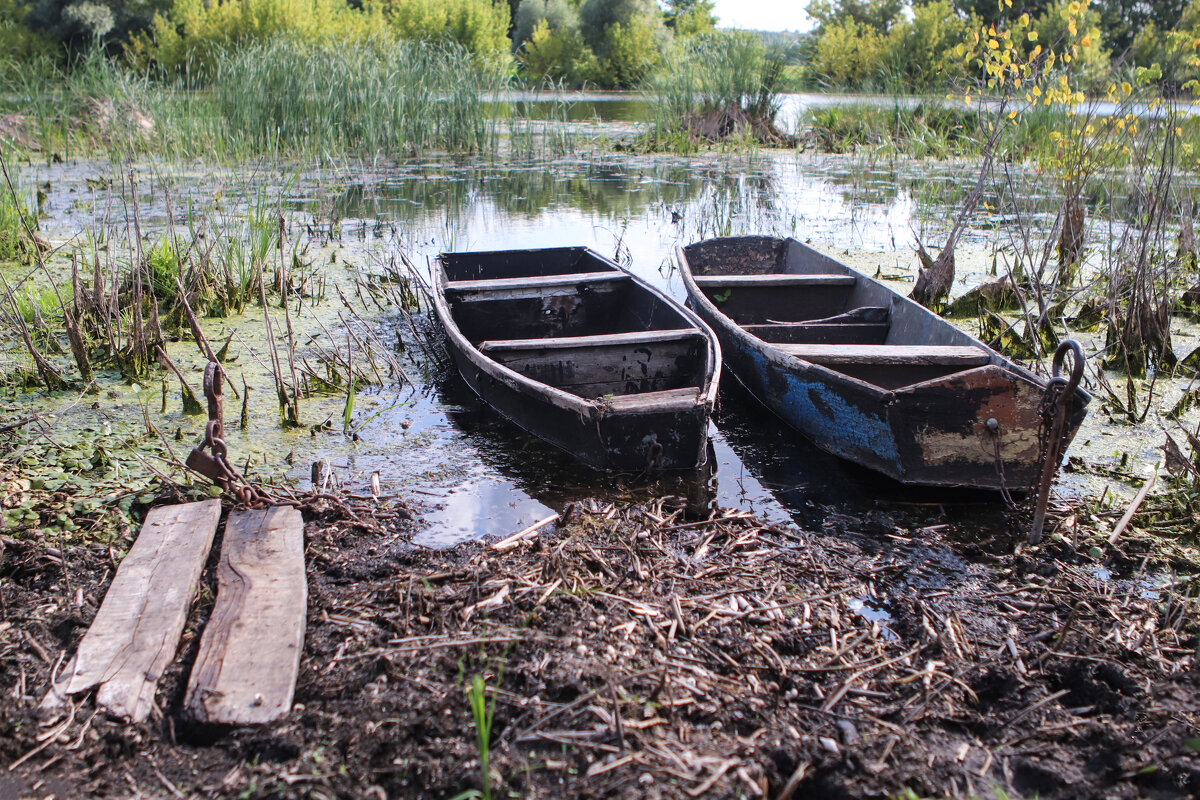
<point x="430" y="440"/>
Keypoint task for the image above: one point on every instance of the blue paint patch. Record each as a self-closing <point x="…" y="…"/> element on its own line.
<point x="821" y="413"/>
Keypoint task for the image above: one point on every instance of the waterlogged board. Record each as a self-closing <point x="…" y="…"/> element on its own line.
<point x="137" y="629"/>
<point x="249" y="655"/>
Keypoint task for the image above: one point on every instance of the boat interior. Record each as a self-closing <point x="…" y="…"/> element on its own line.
<point x="810" y="306"/>
<point x="568" y="318"/>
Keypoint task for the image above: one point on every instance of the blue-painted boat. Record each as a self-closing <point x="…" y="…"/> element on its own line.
<point x="865" y="373"/>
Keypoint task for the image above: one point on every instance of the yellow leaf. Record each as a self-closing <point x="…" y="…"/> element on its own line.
<point x="1073" y="9"/>
<point x="1071" y="28"/>
<point x="1024" y="19"/>
<point x="1126" y="88"/>
<point x="1012" y="115"/>
<point x="1032" y="36"/>
<point x="1086" y="41"/>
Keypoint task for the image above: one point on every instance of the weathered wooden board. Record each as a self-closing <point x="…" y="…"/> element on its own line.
<point x="135" y="632"/>
<point x="249" y="655"/>
<point x="535" y="281"/>
<point x="679" y="399"/>
<point x="728" y="281"/>
<point x="599" y="340"/>
<point x="933" y="355"/>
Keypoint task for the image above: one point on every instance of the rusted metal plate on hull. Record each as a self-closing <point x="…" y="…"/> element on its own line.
<point x="946" y="427"/>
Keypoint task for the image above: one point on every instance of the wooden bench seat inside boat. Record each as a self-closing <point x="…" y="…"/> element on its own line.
<point x="631" y="338"/>
<point x="535" y="282"/>
<point x="771" y="279"/>
<point x="889" y="354"/>
<point x="664" y="400"/>
<point x="864" y="325"/>
<point x="607" y="364"/>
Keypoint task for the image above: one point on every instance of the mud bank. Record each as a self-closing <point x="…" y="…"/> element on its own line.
<point x="634" y="652"/>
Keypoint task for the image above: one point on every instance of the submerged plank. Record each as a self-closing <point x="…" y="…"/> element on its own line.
<point x="249" y="655"/>
<point x="887" y="354"/>
<point x="135" y="632"/>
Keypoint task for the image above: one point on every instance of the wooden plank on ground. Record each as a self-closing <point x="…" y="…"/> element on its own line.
<point x="249" y="655"/>
<point x="135" y="632"/>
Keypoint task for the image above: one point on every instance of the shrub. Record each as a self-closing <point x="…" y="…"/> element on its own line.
<point x="480" y="26"/>
<point x="920" y="50"/>
<point x="190" y="36"/>
<point x="557" y="55"/>
<point x="631" y="51"/>
<point x="848" y="54"/>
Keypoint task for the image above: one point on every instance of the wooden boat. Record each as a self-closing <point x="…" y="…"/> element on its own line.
<point x="582" y="354"/>
<point x="864" y="373"/>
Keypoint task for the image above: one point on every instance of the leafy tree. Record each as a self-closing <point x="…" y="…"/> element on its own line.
<point x="879" y="15"/>
<point x="18" y="44"/>
<point x="79" y="24"/>
<point x="1123" y="21"/>
<point x="596" y="16"/>
<point x="556" y="14"/>
<point x="921" y="50"/>
<point x="631" y="52"/>
<point x="557" y="55"/>
<point x="690" y="17"/>
<point x="991" y="12"/>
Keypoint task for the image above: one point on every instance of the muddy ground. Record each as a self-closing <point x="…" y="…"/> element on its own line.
<point x="636" y="652"/>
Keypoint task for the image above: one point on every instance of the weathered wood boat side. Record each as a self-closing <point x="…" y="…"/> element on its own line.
<point x="865" y="373"/>
<point x="582" y="354"/>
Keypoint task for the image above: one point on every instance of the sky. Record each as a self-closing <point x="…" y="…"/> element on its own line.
<point x="765" y="15"/>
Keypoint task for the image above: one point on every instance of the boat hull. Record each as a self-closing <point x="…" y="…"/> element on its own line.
<point x="931" y="431"/>
<point x="617" y="442"/>
<point x="581" y="354"/>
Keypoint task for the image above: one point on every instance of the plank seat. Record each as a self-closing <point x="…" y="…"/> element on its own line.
<point x="772" y="279"/>
<point x="663" y="400"/>
<point x="536" y="282"/>
<point x="601" y="340"/>
<point x="888" y="354"/>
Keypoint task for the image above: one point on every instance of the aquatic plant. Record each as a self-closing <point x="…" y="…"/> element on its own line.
<point x="397" y="98"/>
<point x="18" y="218"/>
<point x="718" y="86"/>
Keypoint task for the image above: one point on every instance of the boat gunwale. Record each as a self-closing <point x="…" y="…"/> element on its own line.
<point x="706" y="393"/>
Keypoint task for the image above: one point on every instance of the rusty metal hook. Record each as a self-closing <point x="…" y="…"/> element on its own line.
<point x="1056" y="407"/>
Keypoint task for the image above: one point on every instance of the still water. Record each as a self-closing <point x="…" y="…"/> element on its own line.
<point x="431" y="441"/>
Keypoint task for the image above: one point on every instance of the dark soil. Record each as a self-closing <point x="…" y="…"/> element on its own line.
<point x="633" y="653"/>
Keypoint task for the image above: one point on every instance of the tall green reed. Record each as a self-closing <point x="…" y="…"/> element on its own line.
<point x="384" y="97"/>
